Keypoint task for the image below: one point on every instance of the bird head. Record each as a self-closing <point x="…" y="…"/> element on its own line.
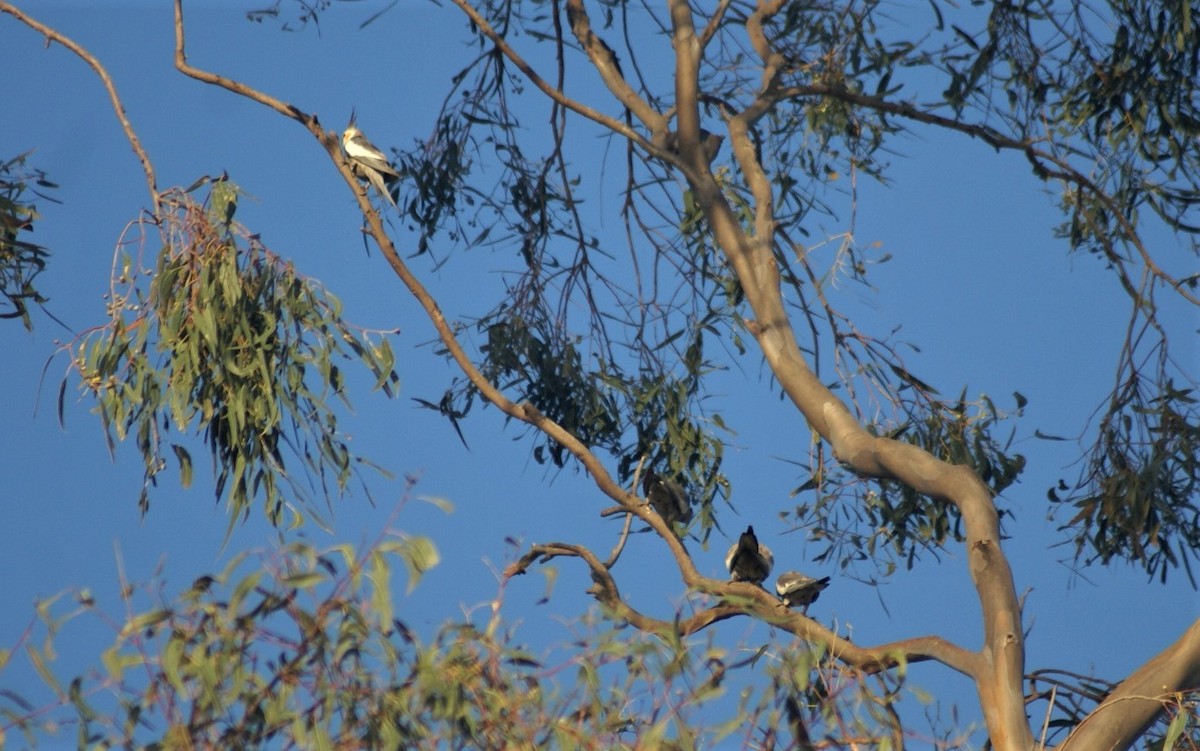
<point x="348" y="133"/>
<point x="351" y="131"/>
<point x="648" y="480"/>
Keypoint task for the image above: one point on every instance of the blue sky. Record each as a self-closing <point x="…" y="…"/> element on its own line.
<point x="976" y="279"/>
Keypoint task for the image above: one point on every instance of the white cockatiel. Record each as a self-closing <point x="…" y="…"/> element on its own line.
<point x="749" y="560"/>
<point x="368" y="162"/>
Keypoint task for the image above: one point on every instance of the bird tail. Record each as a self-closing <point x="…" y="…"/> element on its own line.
<point x="380" y="186"/>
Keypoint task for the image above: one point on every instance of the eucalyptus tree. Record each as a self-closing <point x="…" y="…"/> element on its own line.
<point x="726" y="124"/>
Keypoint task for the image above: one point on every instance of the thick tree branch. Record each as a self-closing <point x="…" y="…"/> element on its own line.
<point x="693" y="161"/>
<point x="1138" y="701"/>
<point x="605" y="62"/>
<point x="109" y="86"/>
<point x="999" y="680"/>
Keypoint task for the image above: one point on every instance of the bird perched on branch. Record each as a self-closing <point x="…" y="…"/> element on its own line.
<point x="369" y="163"/>
<point x="667" y="498"/>
<point x="710" y="142"/>
<point x="798" y="590"/>
<point x="749" y="560"/>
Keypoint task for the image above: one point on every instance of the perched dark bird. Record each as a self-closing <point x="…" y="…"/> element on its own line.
<point x="667" y="498"/>
<point x="710" y="142"/>
<point x="798" y="590"/>
<point x="369" y="163"/>
<point x="749" y="560"/>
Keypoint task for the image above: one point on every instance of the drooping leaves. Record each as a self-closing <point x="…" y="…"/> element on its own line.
<point x="20" y="260"/>
<point x="1138" y="498"/>
<point x="226" y="341"/>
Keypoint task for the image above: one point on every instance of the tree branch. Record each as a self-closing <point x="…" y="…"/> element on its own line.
<point x="580" y="109"/>
<point x="109" y="86"/>
<point x="742" y="598"/>
<point x="1138" y="701"/>
<point x="605" y="62"/>
<point x="1038" y="158"/>
<point x="1000" y="671"/>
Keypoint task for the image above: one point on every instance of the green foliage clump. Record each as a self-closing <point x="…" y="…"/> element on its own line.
<point x="20" y="260"/>
<point x="1138" y="499"/>
<point x="305" y="648"/>
<point x="226" y="340"/>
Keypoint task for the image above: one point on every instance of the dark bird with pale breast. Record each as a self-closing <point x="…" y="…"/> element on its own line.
<point x="798" y="590"/>
<point x="749" y="560"/>
<point x="369" y="163"/>
<point x="667" y="498"/>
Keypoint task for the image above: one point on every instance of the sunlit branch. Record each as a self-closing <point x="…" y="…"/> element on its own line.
<point x="766" y="10"/>
<point x="740" y="124"/>
<point x="1137" y="702"/>
<point x="741" y="598"/>
<point x="999" y="677"/>
<point x="714" y="24"/>
<point x="693" y="161"/>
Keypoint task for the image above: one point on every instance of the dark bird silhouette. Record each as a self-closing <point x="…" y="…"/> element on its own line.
<point x="711" y="143"/>
<point x="667" y="498"/>
<point x="798" y="590"/>
<point x="749" y="560"/>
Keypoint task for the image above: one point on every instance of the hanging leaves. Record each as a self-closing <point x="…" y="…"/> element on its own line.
<point x="226" y="341"/>
<point x="1138" y="498"/>
<point x="20" y="260"/>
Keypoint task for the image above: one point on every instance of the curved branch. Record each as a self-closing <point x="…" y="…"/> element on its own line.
<point x="758" y="602"/>
<point x="109" y="86"/>
<point x="237" y="87"/>
<point x="1138" y="701"/>
<point x="605" y="62"/>
<point x="999" y="670"/>
<point x="615" y="555"/>
<point x="606" y="592"/>
<point x="744" y="599"/>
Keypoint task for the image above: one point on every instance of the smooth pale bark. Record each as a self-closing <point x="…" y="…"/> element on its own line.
<point x="997" y="668"/>
<point x="1133" y="706"/>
